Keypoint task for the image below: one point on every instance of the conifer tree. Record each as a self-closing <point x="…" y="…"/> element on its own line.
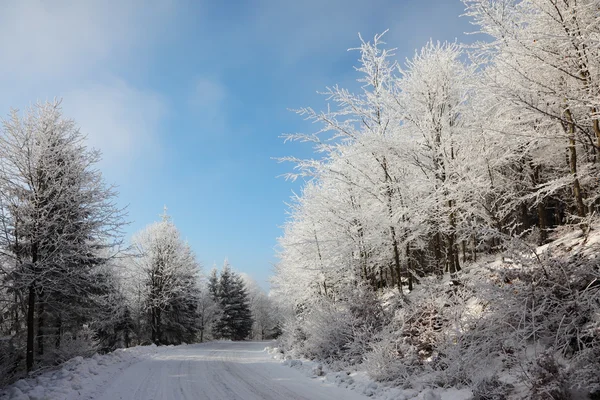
<point x="58" y="215"/>
<point x="235" y="322"/>
<point x="169" y="271"/>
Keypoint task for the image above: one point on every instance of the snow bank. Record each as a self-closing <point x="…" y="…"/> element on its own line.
<point x="361" y="383"/>
<point x="77" y="378"/>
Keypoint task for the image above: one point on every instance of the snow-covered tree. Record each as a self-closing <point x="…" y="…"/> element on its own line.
<point x="263" y="309"/>
<point x="442" y="159"/>
<point x="542" y="68"/>
<point x="168" y="285"/>
<point x="235" y="319"/>
<point x="58" y="214"/>
<point x="208" y="312"/>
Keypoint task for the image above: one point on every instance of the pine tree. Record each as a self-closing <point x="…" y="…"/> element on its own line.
<point x="58" y="216"/>
<point x="240" y="310"/>
<point x="235" y="322"/>
<point x="169" y="292"/>
<point x="213" y="284"/>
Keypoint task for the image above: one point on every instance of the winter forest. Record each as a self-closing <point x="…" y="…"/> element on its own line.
<point x="71" y="286"/>
<point x="446" y="234"/>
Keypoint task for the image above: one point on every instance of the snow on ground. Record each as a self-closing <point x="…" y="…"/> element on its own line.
<point x="211" y="371"/>
<point x="78" y="377"/>
<point x="359" y="382"/>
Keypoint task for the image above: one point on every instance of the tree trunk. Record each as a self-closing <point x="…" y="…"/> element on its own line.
<point x="127" y="339"/>
<point x="542" y="222"/>
<point x="596" y="126"/>
<point x="31" y="311"/>
<point x="30" y="326"/>
<point x="437" y="252"/>
<point x="158" y="327"/>
<point x="573" y="164"/>
<point x="576" y="186"/>
<point x="41" y="324"/>
<point x="408" y="268"/>
<point x="154" y="327"/>
<point x="396" y="258"/>
<point x="474" y="248"/>
<point x="58" y="331"/>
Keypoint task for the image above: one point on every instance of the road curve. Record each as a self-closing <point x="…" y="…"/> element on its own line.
<point x="218" y="371"/>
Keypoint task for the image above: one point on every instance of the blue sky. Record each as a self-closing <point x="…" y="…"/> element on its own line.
<point x="187" y="99"/>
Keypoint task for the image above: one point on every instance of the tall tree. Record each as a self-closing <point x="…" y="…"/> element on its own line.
<point x="169" y="273"/>
<point x="236" y="321"/>
<point x="58" y="213"/>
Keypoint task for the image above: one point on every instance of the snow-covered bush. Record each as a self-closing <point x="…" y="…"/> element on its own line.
<point x="338" y="332"/>
<point x="72" y="345"/>
<point x="328" y="331"/>
<point x="534" y="318"/>
<point x="391" y="358"/>
<point x="10" y="360"/>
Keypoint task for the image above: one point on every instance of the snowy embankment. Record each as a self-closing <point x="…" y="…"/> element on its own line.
<point x="360" y="382"/>
<point x="519" y="325"/>
<point x="78" y="378"/>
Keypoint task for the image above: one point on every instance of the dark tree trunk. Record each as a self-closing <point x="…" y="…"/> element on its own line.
<point x="577" y="194"/>
<point x="474" y="249"/>
<point x="58" y="331"/>
<point x="30" y="326"/>
<point x="41" y="325"/>
<point x="438" y="255"/>
<point x="31" y="311"/>
<point x="408" y="268"/>
<point x="542" y="222"/>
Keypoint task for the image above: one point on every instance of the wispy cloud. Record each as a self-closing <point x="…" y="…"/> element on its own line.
<point x="119" y="120"/>
<point x="77" y="51"/>
<point x="41" y="39"/>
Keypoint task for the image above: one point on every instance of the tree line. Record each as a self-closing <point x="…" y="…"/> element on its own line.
<point x="69" y="284"/>
<point x="460" y="153"/>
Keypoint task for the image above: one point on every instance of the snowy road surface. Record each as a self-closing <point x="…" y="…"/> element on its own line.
<point x="218" y="371"/>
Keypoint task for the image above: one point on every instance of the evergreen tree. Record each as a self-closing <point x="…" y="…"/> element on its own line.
<point x="236" y="321"/>
<point x="213" y="284"/>
<point x="241" y="315"/>
<point x="169" y="291"/>
<point x="58" y="215"/>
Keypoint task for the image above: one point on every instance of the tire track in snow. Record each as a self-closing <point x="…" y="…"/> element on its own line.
<point x="218" y="371"/>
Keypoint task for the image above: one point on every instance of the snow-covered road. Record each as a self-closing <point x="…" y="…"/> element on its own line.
<point x="218" y="371"/>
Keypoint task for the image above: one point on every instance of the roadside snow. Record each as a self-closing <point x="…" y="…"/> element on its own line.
<point x="78" y="378"/>
<point x="210" y="371"/>
<point x="361" y="383"/>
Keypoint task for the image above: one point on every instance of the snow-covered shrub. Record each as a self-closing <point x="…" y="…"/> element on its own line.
<point x="391" y="358"/>
<point x="72" y="345"/>
<point x="559" y="294"/>
<point x="293" y="335"/>
<point x="11" y="359"/>
<point x="491" y="389"/>
<point x="328" y="331"/>
<point x="549" y="379"/>
<point x="339" y="332"/>
<point x="420" y="343"/>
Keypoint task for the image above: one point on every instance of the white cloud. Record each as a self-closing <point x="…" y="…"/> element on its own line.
<point x="119" y="120"/>
<point x="47" y="39"/>
<point x="75" y="50"/>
